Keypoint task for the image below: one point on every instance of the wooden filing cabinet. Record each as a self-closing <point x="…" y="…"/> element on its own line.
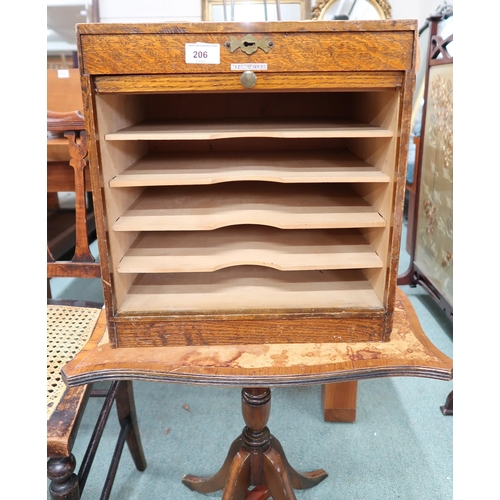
<point x="248" y="177"/>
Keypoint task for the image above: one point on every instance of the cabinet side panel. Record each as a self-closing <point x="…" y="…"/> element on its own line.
<point x="402" y="159"/>
<point x="381" y="109"/>
<point x="98" y="197"/>
<point x="113" y="113"/>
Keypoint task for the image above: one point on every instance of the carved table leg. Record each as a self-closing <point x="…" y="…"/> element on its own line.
<point x="64" y="482"/>
<point x="256" y="458"/>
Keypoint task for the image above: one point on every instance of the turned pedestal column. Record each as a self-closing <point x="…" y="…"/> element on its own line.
<point x="255" y="459"/>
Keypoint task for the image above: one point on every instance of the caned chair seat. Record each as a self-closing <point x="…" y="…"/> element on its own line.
<point x="70" y="326"/>
<point x="68" y="330"/>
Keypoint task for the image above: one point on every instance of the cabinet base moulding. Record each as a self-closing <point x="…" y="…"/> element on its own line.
<point x="146" y="332"/>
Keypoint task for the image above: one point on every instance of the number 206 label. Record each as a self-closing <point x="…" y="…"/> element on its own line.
<point x="202" y="53"/>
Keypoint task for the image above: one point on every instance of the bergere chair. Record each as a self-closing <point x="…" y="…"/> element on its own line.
<point x="70" y="323"/>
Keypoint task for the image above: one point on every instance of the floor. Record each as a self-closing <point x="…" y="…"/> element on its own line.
<point x="399" y="447"/>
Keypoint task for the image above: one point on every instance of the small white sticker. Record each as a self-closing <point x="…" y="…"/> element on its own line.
<point x="249" y="67"/>
<point x="202" y="53"/>
<point x="62" y="73"/>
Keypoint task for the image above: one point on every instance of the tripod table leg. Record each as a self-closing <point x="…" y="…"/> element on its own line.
<point x="300" y="480"/>
<point x="239" y="477"/>
<point x="216" y="482"/>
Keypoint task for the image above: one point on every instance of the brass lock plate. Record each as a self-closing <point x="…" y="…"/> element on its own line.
<point x="249" y="44"/>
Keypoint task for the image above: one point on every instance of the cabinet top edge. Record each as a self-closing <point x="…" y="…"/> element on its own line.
<point x="248" y="27"/>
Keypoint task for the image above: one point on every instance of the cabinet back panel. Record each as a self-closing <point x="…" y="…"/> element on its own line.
<point x="249" y="105"/>
<point x="378" y="108"/>
<point x="249" y="144"/>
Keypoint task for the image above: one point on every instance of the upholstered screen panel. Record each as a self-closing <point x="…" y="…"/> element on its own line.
<point x="434" y="242"/>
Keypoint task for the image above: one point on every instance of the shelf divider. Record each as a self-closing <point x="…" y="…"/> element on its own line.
<point x="250" y="289"/>
<point x="208" y="251"/>
<point x="231" y="128"/>
<point x="294" y="206"/>
<point x="290" y="166"/>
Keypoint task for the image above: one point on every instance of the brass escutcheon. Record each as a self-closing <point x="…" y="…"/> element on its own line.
<point x="249" y="44"/>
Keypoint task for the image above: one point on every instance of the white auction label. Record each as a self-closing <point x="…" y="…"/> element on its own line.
<point x="202" y="53"/>
<point x="249" y="67"/>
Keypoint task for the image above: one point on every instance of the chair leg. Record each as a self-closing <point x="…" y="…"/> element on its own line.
<point x="63" y="480"/>
<point x="447" y="408"/>
<point x="65" y="484"/>
<point x="127" y="416"/>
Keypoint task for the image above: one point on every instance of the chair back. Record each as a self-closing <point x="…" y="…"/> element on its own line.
<point x="68" y="230"/>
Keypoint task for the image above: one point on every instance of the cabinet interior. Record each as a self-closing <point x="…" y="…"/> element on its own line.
<point x="248" y="201"/>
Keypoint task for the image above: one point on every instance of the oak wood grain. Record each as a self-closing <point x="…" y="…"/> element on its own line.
<point x="394" y="25"/>
<point x="135" y="331"/>
<point x="266" y="81"/>
<point x="333" y="51"/>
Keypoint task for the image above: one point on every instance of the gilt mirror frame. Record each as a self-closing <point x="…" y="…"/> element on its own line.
<point x="383" y="7"/>
<point x="208" y="5"/>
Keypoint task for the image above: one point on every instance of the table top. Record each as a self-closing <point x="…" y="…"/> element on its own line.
<point x="408" y="353"/>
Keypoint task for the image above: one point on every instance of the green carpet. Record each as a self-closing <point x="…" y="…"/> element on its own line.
<point x="399" y="447"/>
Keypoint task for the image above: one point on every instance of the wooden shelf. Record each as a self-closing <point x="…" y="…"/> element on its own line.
<point x="169" y="169"/>
<point x="226" y="129"/>
<point x="295" y="206"/>
<point x="164" y="252"/>
<point x="249" y="288"/>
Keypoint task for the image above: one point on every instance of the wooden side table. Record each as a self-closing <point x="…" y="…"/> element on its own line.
<point x="256" y="457"/>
